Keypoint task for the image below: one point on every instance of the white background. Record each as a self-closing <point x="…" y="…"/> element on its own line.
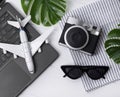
<point x="51" y="83"/>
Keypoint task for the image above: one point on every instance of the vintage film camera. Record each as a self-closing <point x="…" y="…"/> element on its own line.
<point x="78" y="35"/>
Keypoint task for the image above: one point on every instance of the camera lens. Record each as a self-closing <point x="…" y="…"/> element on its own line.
<point x="76" y="37"/>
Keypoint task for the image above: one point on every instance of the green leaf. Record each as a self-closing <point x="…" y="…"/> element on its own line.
<point x="112" y="45"/>
<point x="114" y="33"/>
<point x="114" y="53"/>
<point x="47" y="12"/>
<point x="110" y="42"/>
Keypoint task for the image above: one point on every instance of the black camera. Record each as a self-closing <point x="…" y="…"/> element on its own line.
<point x="78" y="35"/>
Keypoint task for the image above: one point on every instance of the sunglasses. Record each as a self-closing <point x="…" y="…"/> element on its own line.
<point x="76" y="71"/>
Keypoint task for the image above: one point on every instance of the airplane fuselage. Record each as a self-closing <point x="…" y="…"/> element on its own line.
<point x="27" y="50"/>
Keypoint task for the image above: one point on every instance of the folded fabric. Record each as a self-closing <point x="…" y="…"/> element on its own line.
<point x="106" y="14"/>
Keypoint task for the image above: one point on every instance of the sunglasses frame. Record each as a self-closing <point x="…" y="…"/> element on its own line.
<point x="84" y="69"/>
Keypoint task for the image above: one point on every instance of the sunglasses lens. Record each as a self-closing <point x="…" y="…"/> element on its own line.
<point x="97" y="73"/>
<point x="72" y="72"/>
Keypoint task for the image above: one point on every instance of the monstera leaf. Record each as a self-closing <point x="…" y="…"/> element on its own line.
<point x="47" y="12"/>
<point x="112" y="45"/>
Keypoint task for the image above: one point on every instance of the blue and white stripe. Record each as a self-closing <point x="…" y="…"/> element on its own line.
<point x="106" y="14"/>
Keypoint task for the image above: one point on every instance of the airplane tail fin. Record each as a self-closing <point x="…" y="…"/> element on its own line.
<point x="20" y="23"/>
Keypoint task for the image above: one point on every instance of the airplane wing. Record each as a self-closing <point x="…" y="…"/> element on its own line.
<point x="15" y="49"/>
<point x="14" y="24"/>
<point x="36" y="44"/>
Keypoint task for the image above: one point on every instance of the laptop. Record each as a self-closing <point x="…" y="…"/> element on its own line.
<point x="14" y="75"/>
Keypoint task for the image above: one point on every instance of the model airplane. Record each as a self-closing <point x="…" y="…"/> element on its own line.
<point x="26" y="49"/>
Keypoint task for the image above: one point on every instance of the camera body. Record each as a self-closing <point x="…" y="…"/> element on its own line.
<point x="78" y="35"/>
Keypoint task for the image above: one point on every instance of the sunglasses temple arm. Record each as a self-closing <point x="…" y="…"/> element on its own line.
<point x="103" y="77"/>
<point x="65" y="75"/>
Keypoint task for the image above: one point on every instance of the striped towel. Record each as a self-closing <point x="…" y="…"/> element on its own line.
<point x="106" y="14"/>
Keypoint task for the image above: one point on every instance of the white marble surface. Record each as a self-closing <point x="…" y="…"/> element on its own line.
<point x="51" y="83"/>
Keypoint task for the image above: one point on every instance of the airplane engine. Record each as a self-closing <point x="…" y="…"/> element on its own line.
<point x="39" y="50"/>
<point x="46" y="41"/>
<point x="15" y="56"/>
<point x="4" y="51"/>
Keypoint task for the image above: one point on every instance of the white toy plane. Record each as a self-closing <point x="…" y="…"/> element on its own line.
<point x="26" y="49"/>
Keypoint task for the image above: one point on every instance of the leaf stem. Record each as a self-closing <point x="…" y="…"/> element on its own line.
<point x="30" y="7"/>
